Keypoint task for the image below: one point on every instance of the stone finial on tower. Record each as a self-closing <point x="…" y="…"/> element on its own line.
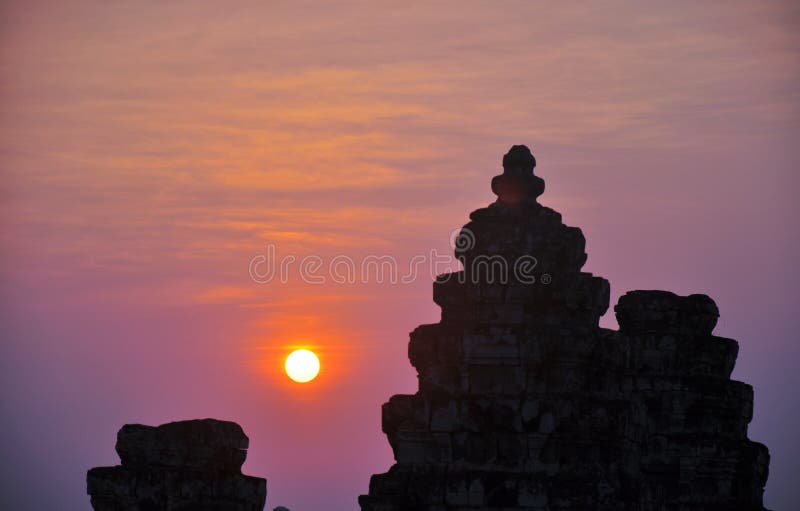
<point x="519" y="161"/>
<point x="517" y="183"/>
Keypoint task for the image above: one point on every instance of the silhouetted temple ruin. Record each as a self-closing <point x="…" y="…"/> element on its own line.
<point x="524" y="402"/>
<point x="181" y="466"/>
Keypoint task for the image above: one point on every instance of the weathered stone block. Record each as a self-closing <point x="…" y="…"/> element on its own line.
<point x="187" y="465"/>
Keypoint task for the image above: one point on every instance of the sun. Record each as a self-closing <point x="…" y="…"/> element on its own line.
<point x="302" y="366"/>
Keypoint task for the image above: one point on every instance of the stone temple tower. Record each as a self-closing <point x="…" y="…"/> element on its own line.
<point x="524" y="402"/>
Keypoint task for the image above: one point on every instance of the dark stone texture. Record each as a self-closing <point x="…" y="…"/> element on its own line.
<point x="525" y="403"/>
<point x="186" y="465"/>
<point x="662" y="311"/>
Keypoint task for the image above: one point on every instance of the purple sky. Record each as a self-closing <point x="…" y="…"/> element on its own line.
<point x="150" y="150"/>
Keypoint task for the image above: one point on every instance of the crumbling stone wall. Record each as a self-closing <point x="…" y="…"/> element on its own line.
<point x="524" y="402"/>
<point x="181" y="466"/>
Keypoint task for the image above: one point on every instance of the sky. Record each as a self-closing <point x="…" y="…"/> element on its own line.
<point x="150" y="152"/>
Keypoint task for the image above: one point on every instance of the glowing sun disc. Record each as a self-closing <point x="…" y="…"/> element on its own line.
<point x="302" y="366"/>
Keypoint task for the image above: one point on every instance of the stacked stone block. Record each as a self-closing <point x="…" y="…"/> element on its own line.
<point x="181" y="466"/>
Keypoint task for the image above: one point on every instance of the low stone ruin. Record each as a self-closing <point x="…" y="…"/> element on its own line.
<point x="181" y="466"/>
<point x="524" y="402"/>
